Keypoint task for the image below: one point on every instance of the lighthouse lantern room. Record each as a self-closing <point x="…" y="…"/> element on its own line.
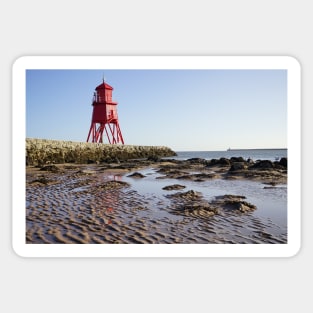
<point x="104" y="116"/>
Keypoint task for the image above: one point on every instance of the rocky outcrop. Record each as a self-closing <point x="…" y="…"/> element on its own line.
<point x="174" y="187"/>
<point x="197" y="169"/>
<point x="283" y="162"/>
<point x="192" y="204"/>
<point x="44" y="151"/>
<point x="136" y="175"/>
<point x="263" y="164"/>
<point x="233" y="203"/>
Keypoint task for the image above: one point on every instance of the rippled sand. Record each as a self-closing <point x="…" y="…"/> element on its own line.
<point x="88" y="204"/>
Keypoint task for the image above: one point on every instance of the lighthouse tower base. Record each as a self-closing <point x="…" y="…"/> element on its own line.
<point x="112" y="130"/>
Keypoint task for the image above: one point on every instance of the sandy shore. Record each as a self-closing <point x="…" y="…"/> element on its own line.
<point x="71" y="203"/>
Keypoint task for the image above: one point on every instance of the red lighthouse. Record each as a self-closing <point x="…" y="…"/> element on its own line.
<point x="104" y="116"/>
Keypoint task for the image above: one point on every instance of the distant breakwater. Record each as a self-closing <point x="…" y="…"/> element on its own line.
<point x="45" y="151"/>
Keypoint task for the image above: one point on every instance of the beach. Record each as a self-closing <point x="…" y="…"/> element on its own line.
<point x="195" y="201"/>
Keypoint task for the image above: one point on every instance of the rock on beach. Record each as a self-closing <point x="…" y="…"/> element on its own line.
<point x="174" y="187"/>
<point x="234" y="203"/>
<point x="136" y="175"/>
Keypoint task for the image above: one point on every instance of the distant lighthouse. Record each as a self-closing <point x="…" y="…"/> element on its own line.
<point x="104" y="116"/>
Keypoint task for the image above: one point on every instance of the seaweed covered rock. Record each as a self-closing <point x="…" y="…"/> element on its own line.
<point x="196" y="161"/>
<point x="136" y="175"/>
<point x="190" y="195"/>
<point x="283" y="162"/>
<point x="219" y="162"/>
<point x="237" y="159"/>
<point x="197" y="210"/>
<point x="50" y="168"/>
<point x="233" y="203"/>
<point x="262" y="164"/>
<point x="174" y="187"/>
<point x="238" y="166"/>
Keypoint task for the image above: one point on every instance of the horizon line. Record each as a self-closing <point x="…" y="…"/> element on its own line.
<point x="230" y="149"/>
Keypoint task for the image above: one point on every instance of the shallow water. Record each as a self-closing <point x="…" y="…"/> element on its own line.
<point x="271" y="202"/>
<point x="76" y="209"/>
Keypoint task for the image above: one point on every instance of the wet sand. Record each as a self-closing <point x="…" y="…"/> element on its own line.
<point x="89" y="204"/>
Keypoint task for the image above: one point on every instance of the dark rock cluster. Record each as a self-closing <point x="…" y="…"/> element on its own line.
<point x="233" y="203"/>
<point x="174" y="187"/>
<point x="136" y="175"/>
<point x="191" y="203"/>
<point x="198" y="169"/>
<point x="239" y="163"/>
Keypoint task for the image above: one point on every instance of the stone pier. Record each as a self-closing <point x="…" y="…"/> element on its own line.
<point x="44" y="151"/>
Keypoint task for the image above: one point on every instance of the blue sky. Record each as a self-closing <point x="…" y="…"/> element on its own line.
<point x="183" y="109"/>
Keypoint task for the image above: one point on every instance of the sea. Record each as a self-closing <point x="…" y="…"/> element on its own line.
<point x="253" y="154"/>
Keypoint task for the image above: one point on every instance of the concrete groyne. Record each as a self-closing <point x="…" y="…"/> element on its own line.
<point x="44" y="151"/>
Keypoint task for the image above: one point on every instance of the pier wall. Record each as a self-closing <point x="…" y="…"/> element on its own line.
<point x="44" y="151"/>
